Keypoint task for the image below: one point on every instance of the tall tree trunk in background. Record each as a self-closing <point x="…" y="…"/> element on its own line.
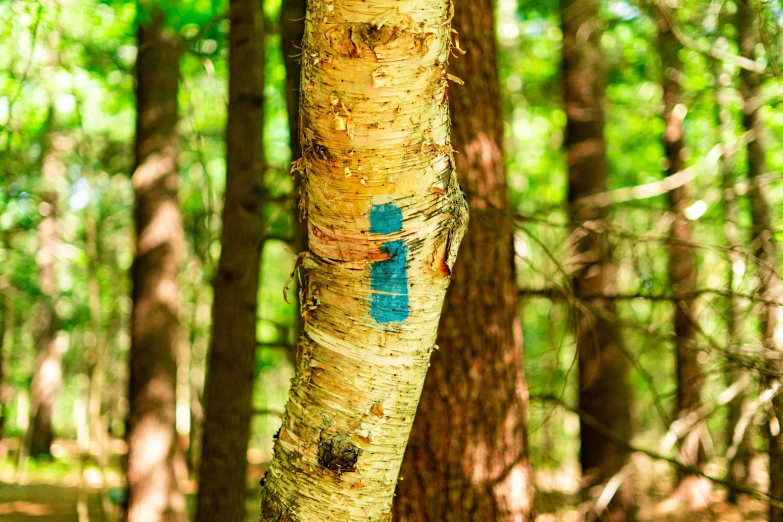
<point x="48" y="373"/>
<point x="292" y="16"/>
<point x="98" y="435"/>
<point x="385" y="217"/>
<point x="97" y="430"/>
<point x="229" y="390"/>
<point x="467" y="458"/>
<point x="4" y="322"/>
<point x="154" y="454"/>
<point x="764" y="245"/>
<point x="604" y="393"/>
<point x="682" y="261"/>
<point x="739" y="464"/>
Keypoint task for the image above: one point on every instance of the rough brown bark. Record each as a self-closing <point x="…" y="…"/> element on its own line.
<point x="48" y="373"/>
<point x="682" y="257"/>
<point x="603" y="367"/>
<point x="764" y="245"/>
<point x="292" y="16"/>
<point x="229" y="390"/>
<point x="154" y="455"/>
<point x="467" y="457"/>
<point x="739" y="466"/>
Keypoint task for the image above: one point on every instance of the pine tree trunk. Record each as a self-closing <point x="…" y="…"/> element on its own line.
<point x="739" y="466"/>
<point x="231" y="370"/>
<point x="292" y="17"/>
<point x="385" y="217"/>
<point x="682" y="261"/>
<point x="154" y="454"/>
<point x="4" y="322"/>
<point x="96" y="374"/>
<point x="764" y="245"/>
<point x="48" y="373"/>
<point x="604" y="393"/>
<point x="467" y="459"/>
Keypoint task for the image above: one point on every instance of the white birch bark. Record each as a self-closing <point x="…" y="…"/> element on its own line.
<point x="385" y="217"/>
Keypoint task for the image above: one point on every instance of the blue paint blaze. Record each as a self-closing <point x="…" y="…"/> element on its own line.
<point x="389" y="278"/>
<point x="385" y="219"/>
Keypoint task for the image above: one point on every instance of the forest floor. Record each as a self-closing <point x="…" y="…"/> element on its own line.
<point x="59" y="491"/>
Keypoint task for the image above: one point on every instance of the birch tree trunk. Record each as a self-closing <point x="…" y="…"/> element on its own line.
<point x="229" y="391"/>
<point x="154" y="454"/>
<point x="682" y="261"/>
<point x="764" y="245"/>
<point x="467" y="459"/>
<point x="385" y="218"/>
<point x="604" y="393"/>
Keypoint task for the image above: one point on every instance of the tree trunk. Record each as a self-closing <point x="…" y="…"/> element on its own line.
<point x="229" y="390"/>
<point x="4" y="313"/>
<point x="682" y="262"/>
<point x="467" y="459"/>
<point x="292" y="17"/>
<point x="48" y="373"/>
<point x="96" y="355"/>
<point x="386" y="216"/>
<point x="739" y="466"/>
<point x="154" y="455"/>
<point x="764" y="245"/>
<point x="604" y="393"/>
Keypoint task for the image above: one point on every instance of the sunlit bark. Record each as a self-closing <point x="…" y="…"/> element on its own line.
<point x="154" y="455"/>
<point x="385" y="217"/>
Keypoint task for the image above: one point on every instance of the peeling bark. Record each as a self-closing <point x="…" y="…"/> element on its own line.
<point x="764" y="244"/>
<point x="229" y="390"/>
<point x="604" y="392"/>
<point x="467" y="459"/>
<point x="154" y="455"/>
<point x="385" y="218"/>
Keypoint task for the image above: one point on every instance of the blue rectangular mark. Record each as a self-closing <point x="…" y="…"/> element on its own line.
<point x="385" y="219"/>
<point x="390" y="278"/>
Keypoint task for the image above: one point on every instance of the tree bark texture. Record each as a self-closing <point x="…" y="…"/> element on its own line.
<point x="604" y="392"/>
<point x="229" y="390"/>
<point x="154" y="454"/>
<point x="47" y="378"/>
<point x="385" y="218"/>
<point x="682" y="257"/>
<point x="467" y="458"/>
<point x="739" y="466"/>
<point x="763" y="237"/>
<point x="292" y="17"/>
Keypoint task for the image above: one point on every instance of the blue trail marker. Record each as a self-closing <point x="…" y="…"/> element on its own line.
<point x="389" y="278"/>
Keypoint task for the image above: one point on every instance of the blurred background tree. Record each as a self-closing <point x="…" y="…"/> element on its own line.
<point x="705" y="71"/>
